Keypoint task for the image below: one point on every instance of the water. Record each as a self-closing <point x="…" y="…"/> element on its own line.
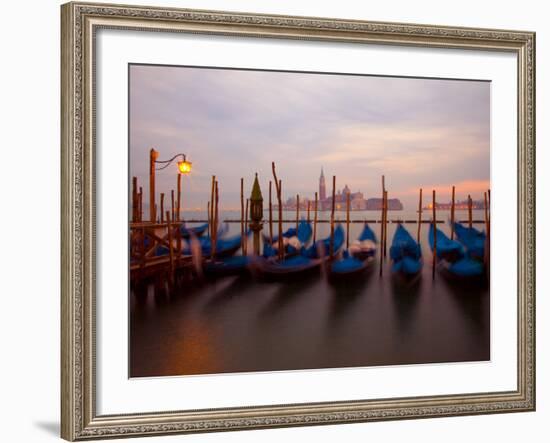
<point x="240" y="325"/>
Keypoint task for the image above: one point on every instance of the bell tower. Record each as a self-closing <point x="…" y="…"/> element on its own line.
<point x="322" y="187"/>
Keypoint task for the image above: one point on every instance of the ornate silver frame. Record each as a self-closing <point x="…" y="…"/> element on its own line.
<point x="80" y="21"/>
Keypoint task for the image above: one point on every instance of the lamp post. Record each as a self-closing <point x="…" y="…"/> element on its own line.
<point x="256" y="214"/>
<point x="184" y="167"/>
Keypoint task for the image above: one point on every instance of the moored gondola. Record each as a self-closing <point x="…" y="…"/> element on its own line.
<point x="308" y="261"/>
<point x="365" y="245"/>
<point x="472" y="239"/>
<point x="224" y="267"/>
<point x="196" y="231"/>
<point x="406" y="255"/>
<point x="357" y="261"/>
<point x="349" y="268"/>
<point x="293" y="240"/>
<point x="453" y="262"/>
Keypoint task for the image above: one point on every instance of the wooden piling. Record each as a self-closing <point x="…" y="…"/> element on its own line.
<point x="215" y="218"/>
<point x="419" y="217"/>
<point x="469" y="211"/>
<point x="178" y="204"/>
<point x="162" y="207"/>
<point x="453" y="214"/>
<point x="134" y="200"/>
<point x="382" y="225"/>
<point x="308" y="208"/>
<point x="246" y="225"/>
<point x="384" y="216"/>
<point x="297" y="211"/>
<point x="270" y="216"/>
<point x="487" y="248"/>
<point x="315" y="218"/>
<point x="212" y="196"/>
<point x="348" y="200"/>
<point x="278" y="185"/>
<point x="434" y="221"/>
<point x="178" y="244"/>
<point x="331" y="251"/>
<point x="209" y="220"/>
<point x="243" y="250"/>
<point x="170" y="251"/>
<point x="140" y="202"/>
<point x="281" y="242"/>
<point x="385" y="223"/>
<point x="153" y="155"/>
<point x="173" y="206"/>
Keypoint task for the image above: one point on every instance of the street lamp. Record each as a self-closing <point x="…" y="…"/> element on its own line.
<point x="184" y="167"/>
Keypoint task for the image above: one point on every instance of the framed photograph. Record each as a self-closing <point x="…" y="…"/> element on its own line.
<point x="282" y="221"/>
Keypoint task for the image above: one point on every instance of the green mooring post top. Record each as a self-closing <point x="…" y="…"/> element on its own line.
<point x="256" y="191"/>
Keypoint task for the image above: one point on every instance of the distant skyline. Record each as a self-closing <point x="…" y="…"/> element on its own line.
<point x="427" y="133"/>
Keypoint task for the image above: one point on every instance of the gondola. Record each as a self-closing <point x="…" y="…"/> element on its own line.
<point x="196" y="231"/>
<point x="357" y="260"/>
<point x="453" y="263"/>
<point x="321" y="248"/>
<point x="225" y="247"/>
<point x="293" y="240"/>
<point x="472" y="239"/>
<point x="447" y="249"/>
<point x="224" y="267"/>
<point x="365" y="246"/>
<point x="307" y="262"/>
<point x="349" y="268"/>
<point x="406" y="255"/>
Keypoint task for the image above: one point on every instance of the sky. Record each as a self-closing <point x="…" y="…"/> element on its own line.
<point x="428" y="133"/>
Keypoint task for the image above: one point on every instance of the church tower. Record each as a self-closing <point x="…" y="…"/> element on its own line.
<point x="322" y="187"/>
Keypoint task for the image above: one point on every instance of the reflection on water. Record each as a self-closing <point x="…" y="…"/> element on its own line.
<point x="237" y="324"/>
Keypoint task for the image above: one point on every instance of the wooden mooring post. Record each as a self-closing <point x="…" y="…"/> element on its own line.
<point x="434" y="221"/>
<point x="162" y="207"/>
<point x="170" y="248"/>
<point x="419" y="216"/>
<point x="134" y="200"/>
<point x="331" y="250"/>
<point x="245" y="243"/>
<point x="453" y="214"/>
<point x="469" y="211"/>
<point x="348" y="200"/>
<point x="214" y="241"/>
<point x="140" y="204"/>
<point x="315" y="218"/>
<point x="382" y="225"/>
<point x="209" y="220"/>
<point x="243" y="250"/>
<point x="153" y="155"/>
<point x="178" y="204"/>
<point x="278" y="185"/>
<point x="385" y="203"/>
<point x="270" y="216"/>
<point x="486" y="257"/>
<point x="297" y="212"/>
<point x="173" y="206"/>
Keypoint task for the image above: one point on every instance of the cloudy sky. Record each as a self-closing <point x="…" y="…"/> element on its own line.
<point x="231" y="123"/>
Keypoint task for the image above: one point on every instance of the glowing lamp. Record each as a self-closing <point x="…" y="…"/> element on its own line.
<point x="184" y="166"/>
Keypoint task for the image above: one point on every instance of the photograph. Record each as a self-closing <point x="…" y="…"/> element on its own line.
<point x="291" y="220"/>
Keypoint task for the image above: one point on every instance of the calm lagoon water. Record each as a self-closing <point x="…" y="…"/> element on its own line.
<point x="237" y="324"/>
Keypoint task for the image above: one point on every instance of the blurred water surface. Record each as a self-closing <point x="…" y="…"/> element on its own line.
<point x="237" y="324"/>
